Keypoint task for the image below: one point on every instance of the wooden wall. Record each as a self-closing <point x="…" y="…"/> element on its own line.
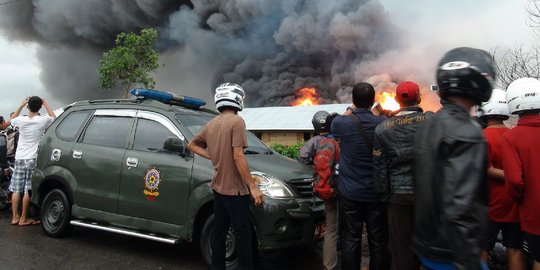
<point x="282" y="137"/>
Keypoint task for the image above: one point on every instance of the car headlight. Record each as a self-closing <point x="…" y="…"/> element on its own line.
<point x="272" y="186"/>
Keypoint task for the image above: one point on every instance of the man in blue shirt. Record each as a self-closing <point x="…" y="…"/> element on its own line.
<point x="358" y="201"/>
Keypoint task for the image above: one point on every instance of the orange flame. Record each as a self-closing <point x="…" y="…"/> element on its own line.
<point x="306" y="97"/>
<point x="387" y="101"/>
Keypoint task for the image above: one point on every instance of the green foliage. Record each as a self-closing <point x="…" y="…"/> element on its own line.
<point x="130" y="61"/>
<point x="291" y="151"/>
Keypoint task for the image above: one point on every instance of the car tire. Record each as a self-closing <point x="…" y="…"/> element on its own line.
<point x="56" y="214"/>
<point x="231" y="261"/>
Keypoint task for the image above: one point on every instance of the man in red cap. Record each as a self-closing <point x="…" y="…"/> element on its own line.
<point x="392" y="172"/>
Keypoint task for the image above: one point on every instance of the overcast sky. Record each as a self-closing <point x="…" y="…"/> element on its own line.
<point x="19" y="75"/>
<point x="483" y="23"/>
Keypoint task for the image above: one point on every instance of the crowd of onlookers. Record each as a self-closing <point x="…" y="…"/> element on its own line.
<point x="434" y="190"/>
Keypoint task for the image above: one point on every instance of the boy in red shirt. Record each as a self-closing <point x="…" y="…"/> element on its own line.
<point x="521" y="156"/>
<point x="503" y="211"/>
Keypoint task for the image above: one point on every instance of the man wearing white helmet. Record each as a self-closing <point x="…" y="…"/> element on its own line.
<point x="503" y="211"/>
<point x="521" y="156"/>
<point x="222" y="140"/>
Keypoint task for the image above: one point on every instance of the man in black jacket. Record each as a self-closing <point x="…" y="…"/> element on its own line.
<point x="450" y="165"/>
<point x="392" y="172"/>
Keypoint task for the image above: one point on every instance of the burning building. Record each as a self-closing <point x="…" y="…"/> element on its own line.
<point x="289" y="125"/>
<point x="285" y="125"/>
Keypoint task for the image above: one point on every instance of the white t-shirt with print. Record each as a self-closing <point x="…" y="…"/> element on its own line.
<point x="31" y="130"/>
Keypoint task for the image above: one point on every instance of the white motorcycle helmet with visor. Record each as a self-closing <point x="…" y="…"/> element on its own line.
<point x="229" y="95"/>
<point x="496" y="105"/>
<point x="523" y="95"/>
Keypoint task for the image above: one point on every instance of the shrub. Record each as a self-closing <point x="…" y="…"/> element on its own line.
<point x="291" y="151"/>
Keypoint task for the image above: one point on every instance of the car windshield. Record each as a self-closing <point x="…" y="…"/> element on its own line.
<point x="195" y="122"/>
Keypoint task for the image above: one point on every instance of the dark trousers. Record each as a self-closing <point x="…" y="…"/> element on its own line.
<point x="353" y="214"/>
<point x="533" y="242"/>
<point x="401" y="225"/>
<point x="233" y="211"/>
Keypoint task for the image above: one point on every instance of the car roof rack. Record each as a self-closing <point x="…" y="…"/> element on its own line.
<point x="168" y="98"/>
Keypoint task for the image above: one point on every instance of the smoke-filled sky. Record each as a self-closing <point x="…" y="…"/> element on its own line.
<point x="51" y="48"/>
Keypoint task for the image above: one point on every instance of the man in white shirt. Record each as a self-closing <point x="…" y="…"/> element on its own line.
<point x="31" y="130"/>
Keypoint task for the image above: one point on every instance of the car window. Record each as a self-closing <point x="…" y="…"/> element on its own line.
<point x="150" y="135"/>
<point x="195" y="122"/>
<point x="69" y="127"/>
<point x="109" y="131"/>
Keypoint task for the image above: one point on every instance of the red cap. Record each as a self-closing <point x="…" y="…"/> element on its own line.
<point x="407" y="91"/>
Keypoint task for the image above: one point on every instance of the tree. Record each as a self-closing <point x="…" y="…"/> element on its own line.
<point x="130" y="62"/>
<point x="520" y="61"/>
<point x="517" y="63"/>
<point x="534" y="15"/>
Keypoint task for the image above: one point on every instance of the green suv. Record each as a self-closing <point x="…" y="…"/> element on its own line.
<point x="122" y="166"/>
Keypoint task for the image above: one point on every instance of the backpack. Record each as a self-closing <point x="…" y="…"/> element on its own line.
<point x="12" y="135"/>
<point x="324" y="162"/>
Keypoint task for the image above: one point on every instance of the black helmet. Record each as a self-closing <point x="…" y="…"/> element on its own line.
<point x="466" y="72"/>
<point x="319" y="121"/>
<point x="329" y="120"/>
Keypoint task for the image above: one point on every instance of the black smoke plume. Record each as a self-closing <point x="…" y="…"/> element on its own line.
<point x="272" y="48"/>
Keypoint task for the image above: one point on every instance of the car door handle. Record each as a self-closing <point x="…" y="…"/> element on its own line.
<point x="132" y="162"/>
<point x="77" y="154"/>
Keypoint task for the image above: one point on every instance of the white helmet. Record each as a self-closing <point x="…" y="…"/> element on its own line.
<point x="229" y="95"/>
<point x="523" y="94"/>
<point x="496" y="105"/>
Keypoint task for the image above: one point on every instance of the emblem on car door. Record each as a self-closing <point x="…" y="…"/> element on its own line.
<point x="151" y="183"/>
<point x="56" y="154"/>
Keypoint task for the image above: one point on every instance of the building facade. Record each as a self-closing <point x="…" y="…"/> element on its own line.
<point x="285" y="125"/>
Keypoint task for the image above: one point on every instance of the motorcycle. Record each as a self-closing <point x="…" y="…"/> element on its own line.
<point x="5" y="194"/>
<point x="6" y="170"/>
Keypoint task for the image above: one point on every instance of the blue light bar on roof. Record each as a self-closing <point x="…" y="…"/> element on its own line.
<point x="167" y="97"/>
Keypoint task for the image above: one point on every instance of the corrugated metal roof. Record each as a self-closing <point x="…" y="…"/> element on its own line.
<point x="286" y="117"/>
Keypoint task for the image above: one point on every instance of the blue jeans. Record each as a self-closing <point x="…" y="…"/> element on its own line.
<point x="437" y="265"/>
<point x="233" y="211"/>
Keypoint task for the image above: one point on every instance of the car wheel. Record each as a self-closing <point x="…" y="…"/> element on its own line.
<point x="231" y="260"/>
<point x="55" y="213"/>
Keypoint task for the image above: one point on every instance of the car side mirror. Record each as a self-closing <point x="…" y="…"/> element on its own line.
<point x="175" y="144"/>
